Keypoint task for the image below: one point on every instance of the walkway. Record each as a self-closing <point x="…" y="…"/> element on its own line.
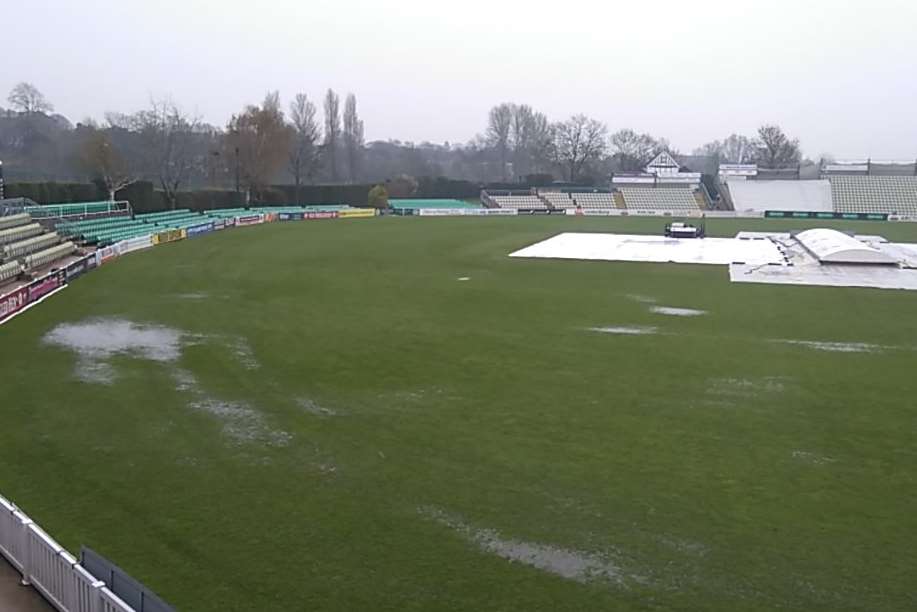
<point x="15" y="597"/>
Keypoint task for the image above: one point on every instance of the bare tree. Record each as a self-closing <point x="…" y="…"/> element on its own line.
<point x="521" y="134"/>
<point x="499" y="126"/>
<point x="167" y="133"/>
<point x="103" y="161"/>
<point x="259" y="140"/>
<point x="632" y="151"/>
<point x="353" y="137"/>
<point x="775" y="149"/>
<point x="735" y="149"/>
<point x="305" y="153"/>
<point x="541" y="143"/>
<point x="579" y="141"/>
<point x="26" y="98"/>
<point x="332" y="131"/>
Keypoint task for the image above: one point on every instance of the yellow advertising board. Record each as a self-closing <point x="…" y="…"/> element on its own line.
<point x="356" y="213"/>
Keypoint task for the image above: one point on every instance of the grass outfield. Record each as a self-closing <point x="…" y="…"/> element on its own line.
<point x="349" y="427"/>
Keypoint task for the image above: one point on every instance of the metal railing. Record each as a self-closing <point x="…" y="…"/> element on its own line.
<point x="49" y="568"/>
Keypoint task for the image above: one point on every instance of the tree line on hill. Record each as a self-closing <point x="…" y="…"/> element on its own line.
<point x="267" y="144"/>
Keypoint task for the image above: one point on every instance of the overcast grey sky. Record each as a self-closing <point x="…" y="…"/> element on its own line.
<point x="839" y="75"/>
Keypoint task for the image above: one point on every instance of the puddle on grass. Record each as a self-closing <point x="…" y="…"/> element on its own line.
<point x="312" y="407"/>
<point x="633" y="330"/>
<point x="643" y="299"/>
<point x="192" y="296"/>
<point x="837" y="347"/>
<point x="570" y="564"/>
<point x="241" y="422"/>
<point x="95" y="341"/>
<point x="813" y="458"/>
<point x="677" y="312"/>
<point x="744" y="387"/>
<point x="244" y="353"/>
<point x="464" y="278"/>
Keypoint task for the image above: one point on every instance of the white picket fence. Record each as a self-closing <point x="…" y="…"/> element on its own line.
<point x="45" y="565"/>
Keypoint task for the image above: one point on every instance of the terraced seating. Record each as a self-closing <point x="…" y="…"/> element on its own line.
<point x="874" y="194"/>
<point x="558" y="199"/>
<point x="20" y="233"/>
<point x="15" y="220"/>
<point x="180" y="221"/>
<point x="157" y="217"/>
<point x="593" y="200"/>
<point x="519" y="201"/>
<point x="29" y="245"/>
<point x="94" y="226"/>
<point x="225" y="213"/>
<point x="9" y="271"/>
<point x="660" y="198"/>
<point x="43" y="258"/>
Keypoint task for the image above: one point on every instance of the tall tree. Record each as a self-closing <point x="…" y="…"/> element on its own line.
<point x="499" y="126"/>
<point x="774" y="149"/>
<point x="168" y="135"/>
<point x="735" y="149"/>
<point x="579" y="141"/>
<point x="632" y="151"/>
<point x="305" y="153"/>
<point x="522" y="127"/>
<point x="541" y="143"/>
<point x="258" y="140"/>
<point x="353" y="137"/>
<point x="99" y="156"/>
<point x="332" y="131"/>
<point x="26" y="98"/>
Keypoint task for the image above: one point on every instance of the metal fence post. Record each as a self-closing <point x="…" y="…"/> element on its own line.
<point x="26" y="552"/>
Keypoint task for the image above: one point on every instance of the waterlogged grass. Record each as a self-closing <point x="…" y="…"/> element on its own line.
<point x="348" y="426"/>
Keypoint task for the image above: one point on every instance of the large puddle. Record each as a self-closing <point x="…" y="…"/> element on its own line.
<point x="672" y="311"/>
<point x="96" y="341"/>
<point x="837" y="347"/>
<point x="571" y="564"/>
<point x="626" y="330"/>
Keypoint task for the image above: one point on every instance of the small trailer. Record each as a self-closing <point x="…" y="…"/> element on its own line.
<point x="679" y="229"/>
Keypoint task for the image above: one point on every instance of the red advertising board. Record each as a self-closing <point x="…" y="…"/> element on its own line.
<point x="13" y="302"/>
<point x="45" y="285"/>
<point x="321" y="214"/>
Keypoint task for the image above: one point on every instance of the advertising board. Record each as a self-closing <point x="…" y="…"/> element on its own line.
<point x="353" y="213"/>
<point x="78" y="267"/>
<point x="198" y="230"/>
<point x="105" y="254"/>
<point x="249" y="220"/>
<point x="291" y="216"/>
<point x="321" y="214"/>
<point x="46" y="284"/>
<point x="13" y="302"/>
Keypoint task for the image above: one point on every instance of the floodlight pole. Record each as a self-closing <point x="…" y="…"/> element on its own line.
<point x="1" y="179"/>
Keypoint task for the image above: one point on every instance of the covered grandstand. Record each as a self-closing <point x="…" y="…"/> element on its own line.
<point x="761" y="196"/>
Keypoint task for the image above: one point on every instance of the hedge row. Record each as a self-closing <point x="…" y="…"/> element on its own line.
<point x="145" y="198"/>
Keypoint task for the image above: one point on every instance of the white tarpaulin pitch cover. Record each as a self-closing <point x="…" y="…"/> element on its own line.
<point x="817" y="257"/>
<point x="627" y="247"/>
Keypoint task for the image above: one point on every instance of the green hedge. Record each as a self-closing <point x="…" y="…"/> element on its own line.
<point x="52" y="193"/>
<point x="145" y="198"/>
